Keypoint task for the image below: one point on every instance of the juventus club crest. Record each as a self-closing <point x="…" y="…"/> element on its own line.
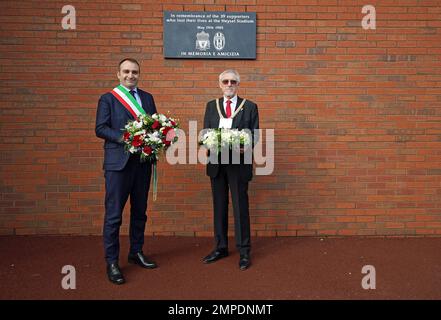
<point x="202" y="41"/>
<point x="219" y="41"/>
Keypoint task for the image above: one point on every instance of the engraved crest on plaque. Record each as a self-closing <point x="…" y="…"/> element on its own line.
<point x="202" y="41"/>
<point x="219" y="41"/>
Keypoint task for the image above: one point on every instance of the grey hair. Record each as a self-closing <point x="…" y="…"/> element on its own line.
<point x="232" y="71"/>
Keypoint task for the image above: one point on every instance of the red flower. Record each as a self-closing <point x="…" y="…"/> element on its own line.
<point x="147" y="150"/>
<point x="173" y="123"/>
<point x="167" y="143"/>
<point x="137" y="141"/>
<point x="166" y="130"/>
<point x="170" y="135"/>
<point x="126" y="136"/>
<point x="156" y="125"/>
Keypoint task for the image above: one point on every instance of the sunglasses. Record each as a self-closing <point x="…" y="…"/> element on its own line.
<point x="233" y="82"/>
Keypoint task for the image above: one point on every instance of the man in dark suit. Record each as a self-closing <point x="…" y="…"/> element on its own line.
<point x="124" y="173"/>
<point x="231" y="111"/>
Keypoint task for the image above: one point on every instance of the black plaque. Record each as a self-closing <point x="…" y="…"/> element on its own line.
<point x="209" y="35"/>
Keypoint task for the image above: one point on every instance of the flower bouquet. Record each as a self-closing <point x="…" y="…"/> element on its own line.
<point x="218" y="139"/>
<point x="148" y="136"/>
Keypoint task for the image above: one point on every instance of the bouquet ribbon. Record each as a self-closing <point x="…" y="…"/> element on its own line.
<point x="155" y="182"/>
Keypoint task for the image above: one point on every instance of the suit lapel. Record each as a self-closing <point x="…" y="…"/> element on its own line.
<point x="221" y="107"/>
<point x="146" y="103"/>
<point x="238" y="117"/>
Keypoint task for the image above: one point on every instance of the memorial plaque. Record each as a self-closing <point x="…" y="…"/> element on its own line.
<point x="209" y="35"/>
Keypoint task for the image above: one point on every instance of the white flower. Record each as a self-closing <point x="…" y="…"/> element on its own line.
<point x="155" y="134"/>
<point x="210" y="139"/>
<point x="137" y="124"/>
<point x="245" y="138"/>
<point x="140" y="132"/>
<point x="162" y="118"/>
<point x="154" y="138"/>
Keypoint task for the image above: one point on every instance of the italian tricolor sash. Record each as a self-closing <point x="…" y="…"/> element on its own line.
<point x="128" y="101"/>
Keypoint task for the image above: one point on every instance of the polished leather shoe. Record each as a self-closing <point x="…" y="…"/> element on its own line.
<point x="114" y="274"/>
<point x="244" y="262"/>
<point x="215" y="255"/>
<point x="140" y="259"/>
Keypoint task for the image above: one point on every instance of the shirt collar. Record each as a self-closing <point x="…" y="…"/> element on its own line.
<point x="233" y="99"/>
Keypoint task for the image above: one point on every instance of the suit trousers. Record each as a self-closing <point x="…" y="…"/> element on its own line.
<point x="229" y="178"/>
<point x="133" y="180"/>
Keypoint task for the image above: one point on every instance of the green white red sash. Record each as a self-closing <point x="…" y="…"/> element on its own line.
<point x="128" y="101"/>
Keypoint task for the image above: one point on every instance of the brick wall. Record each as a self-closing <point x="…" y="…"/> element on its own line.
<point x="357" y="115"/>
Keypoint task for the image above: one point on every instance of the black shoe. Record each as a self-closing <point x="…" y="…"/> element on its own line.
<point x="114" y="274"/>
<point x="244" y="262"/>
<point x="140" y="259"/>
<point x="216" y="255"/>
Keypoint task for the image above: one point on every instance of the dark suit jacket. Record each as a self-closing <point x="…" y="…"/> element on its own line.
<point x="111" y="117"/>
<point x="247" y="118"/>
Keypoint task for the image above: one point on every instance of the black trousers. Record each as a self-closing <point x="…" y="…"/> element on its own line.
<point x="133" y="180"/>
<point x="229" y="178"/>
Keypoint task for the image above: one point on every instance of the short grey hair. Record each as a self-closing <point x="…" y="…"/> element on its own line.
<point x="232" y="71"/>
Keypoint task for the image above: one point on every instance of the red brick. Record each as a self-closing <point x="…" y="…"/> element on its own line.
<point x="355" y="111"/>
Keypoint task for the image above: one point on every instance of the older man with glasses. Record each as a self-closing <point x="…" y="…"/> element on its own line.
<point x="231" y="112"/>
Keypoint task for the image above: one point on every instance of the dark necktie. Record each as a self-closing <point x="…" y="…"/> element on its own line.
<point x="132" y="92"/>
<point x="228" y="108"/>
